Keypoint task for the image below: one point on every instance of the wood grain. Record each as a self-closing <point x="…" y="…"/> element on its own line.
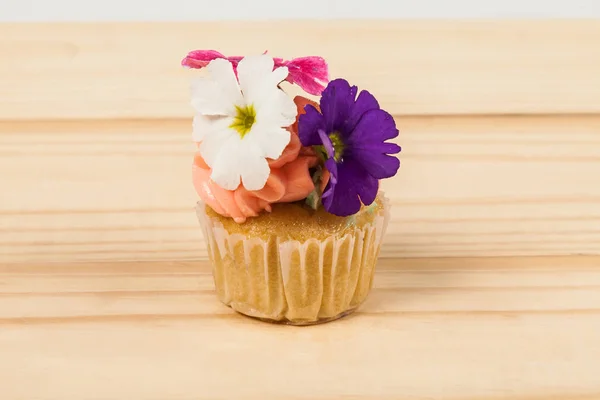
<point x="75" y="191"/>
<point x="131" y="70"/>
<point x="461" y="329"/>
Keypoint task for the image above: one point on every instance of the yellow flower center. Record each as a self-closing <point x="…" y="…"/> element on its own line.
<point x="338" y="145"/>
<point x="244" y="119"/>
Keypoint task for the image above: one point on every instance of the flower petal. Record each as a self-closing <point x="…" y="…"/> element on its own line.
<point x="203" y="126"/>
<point x="237" y="160"/>
<point x="353" y="182"/>
<point x="227" y="165"/>
<point x="269" y="139"/>
<point x="380" y="165"/>
<point x="326" y="143"/>
<point x="278" y="75"/>
<point x="367" y="144"/>
<point x="218" y="93"/>
<point x="331" y="169"/>
<point x="200" y="58"/>
<point x="301" y="102"/>
<point x="308" y="125"/>
<point x="365" y="102"/>
<point x="367" y="186"/>
<point x="309" y="73"/>
<point x="215" y="139"/>
<point x="257" y="78"/>
<point x="207" y="98"/>
<point x="336" y="101"/>
<point x="389" y="148"/>
<point x="200" y="125"/>
<point x="276" y="108"/>
<point x="222" y="72"/>
<point x="374" y="126"/>
<point x="254" y="169"/>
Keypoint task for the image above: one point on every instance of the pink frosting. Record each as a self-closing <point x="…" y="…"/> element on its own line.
<point x="288" y="181"/>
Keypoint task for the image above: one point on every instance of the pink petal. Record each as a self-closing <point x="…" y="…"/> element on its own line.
<point x="235" y="60"/>
<point x="200" y="58"/>
<point x="310" y="73"/>
<point x="280" y="62"/>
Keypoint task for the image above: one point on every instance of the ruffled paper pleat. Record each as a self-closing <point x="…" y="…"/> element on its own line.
<point x="293" y="281"/>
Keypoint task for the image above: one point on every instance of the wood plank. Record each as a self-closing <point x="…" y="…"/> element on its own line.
<point x="131" y="70"/>
<point x="525" y="327"/>
<point x="75" y="191"/>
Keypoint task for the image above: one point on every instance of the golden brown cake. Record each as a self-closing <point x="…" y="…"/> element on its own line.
<point x="295" y="264"/>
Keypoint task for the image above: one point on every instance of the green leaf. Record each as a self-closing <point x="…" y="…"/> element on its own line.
<point x="313" y="200"/>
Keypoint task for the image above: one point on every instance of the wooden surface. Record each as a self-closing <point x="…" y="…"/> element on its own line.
<point x="131" y="70"/>
<point x="95" y="158"/>
<point x="95" y="122"/>
<point x="75" y="191"/>
<point x="460" y="329"/>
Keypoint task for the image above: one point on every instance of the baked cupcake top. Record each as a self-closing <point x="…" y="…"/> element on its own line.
<point x="256" y="145"/>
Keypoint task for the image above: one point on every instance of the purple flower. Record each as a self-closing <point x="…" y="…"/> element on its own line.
<point x="351" y="133"/>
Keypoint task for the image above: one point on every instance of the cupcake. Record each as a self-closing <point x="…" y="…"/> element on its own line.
<point x="289" y="204"/>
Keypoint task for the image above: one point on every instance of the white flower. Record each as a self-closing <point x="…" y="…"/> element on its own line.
<point x="239" y="125"/>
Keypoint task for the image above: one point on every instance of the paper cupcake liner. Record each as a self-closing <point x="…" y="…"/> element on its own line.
<point x="293" y="281"/>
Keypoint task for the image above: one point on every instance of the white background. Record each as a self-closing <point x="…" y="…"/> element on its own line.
<point x="191" y="10"/>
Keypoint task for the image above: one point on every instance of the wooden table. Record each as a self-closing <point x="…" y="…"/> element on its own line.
<point x="453" y="328"/>
<point x="500" y="128"/>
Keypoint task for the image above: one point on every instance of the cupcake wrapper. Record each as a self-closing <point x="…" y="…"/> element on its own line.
<point x="290" y="280"/>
